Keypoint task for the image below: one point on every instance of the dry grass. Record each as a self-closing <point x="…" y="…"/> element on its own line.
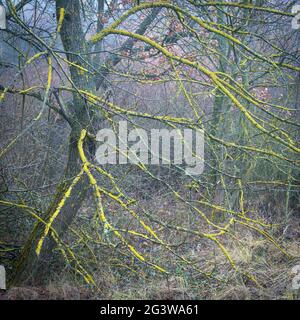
<point x="117" y="277"/>
<point x="272" y="270"/>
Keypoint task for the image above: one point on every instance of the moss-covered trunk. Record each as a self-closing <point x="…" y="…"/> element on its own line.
<point x="30" y="267"/>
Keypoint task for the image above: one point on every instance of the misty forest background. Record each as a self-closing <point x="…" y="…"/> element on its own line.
<point x="72" y="229"/>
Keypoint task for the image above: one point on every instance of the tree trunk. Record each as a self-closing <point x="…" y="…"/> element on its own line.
<point x="30" y="268"/>
<point x="33" y="269"/>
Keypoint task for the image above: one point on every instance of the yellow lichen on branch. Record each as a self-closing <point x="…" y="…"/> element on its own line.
<point x="57" y="211"/>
